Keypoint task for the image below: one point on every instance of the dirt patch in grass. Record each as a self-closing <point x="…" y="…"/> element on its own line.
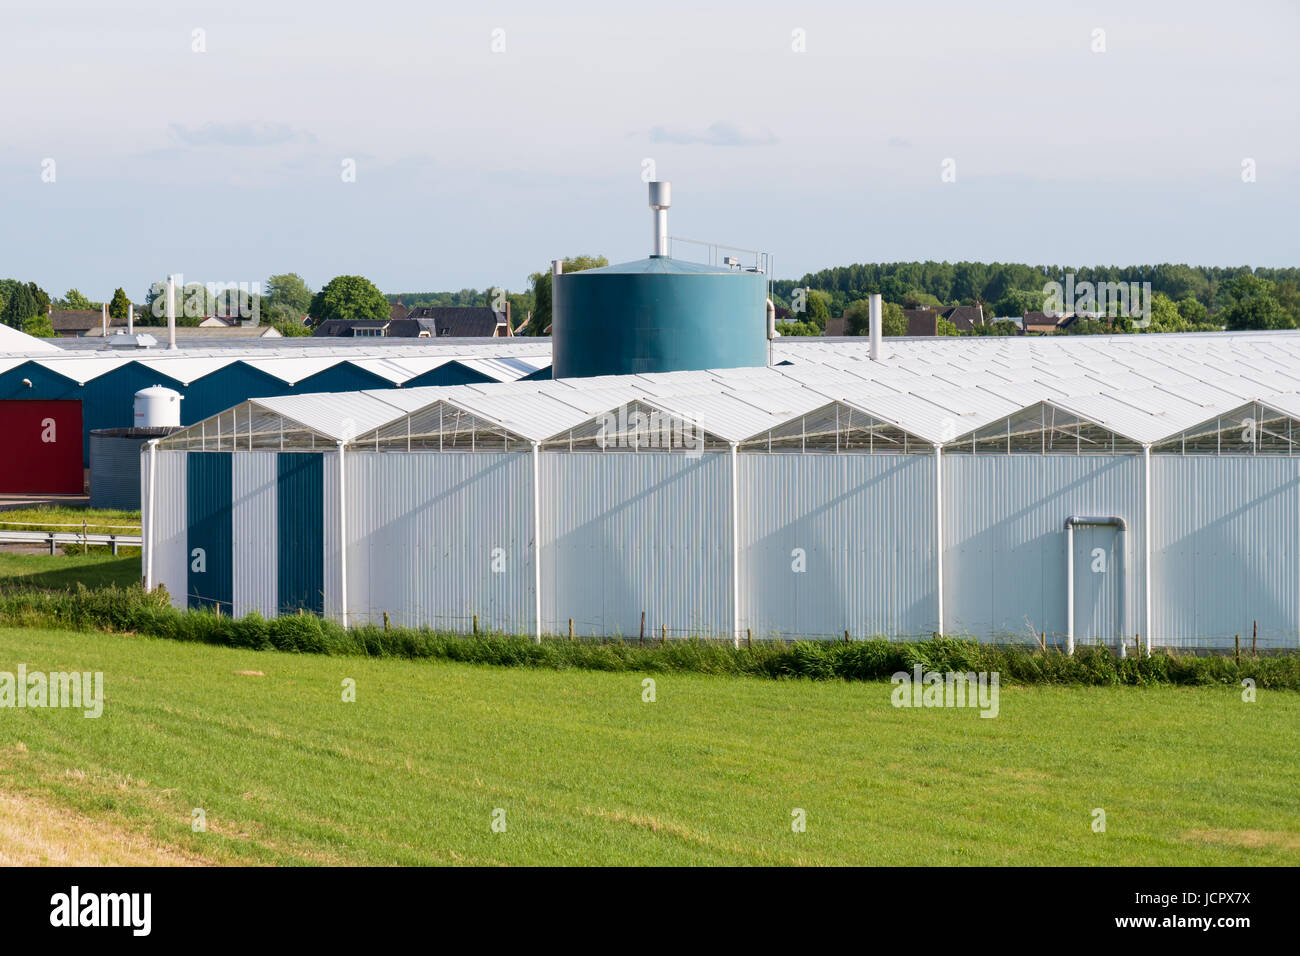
<point x="36" y="833"/>
<point x="1247" y="838"/>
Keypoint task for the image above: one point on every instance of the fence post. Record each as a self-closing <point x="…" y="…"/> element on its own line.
<point x="665" y="633"/>
<point x="570" y="628"/>
<point x="1236" y="653"/>
<point x="1254" y="637"/>
<point x="749" y="638"/>
<point x="475" y="623"/>
<point x="643" y="627"/>
<point x="846" y="635"/>
<point x="51" y="542"/>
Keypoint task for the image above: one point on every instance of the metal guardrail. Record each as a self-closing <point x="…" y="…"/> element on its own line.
<point x="55" y="538"/>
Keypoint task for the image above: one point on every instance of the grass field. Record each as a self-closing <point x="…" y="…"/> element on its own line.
<point x="60" y="572"/>
<point x="44" y="517"/>
<point x="586" y="772"/>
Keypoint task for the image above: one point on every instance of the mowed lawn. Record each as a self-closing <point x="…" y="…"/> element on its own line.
<point x="585" y="771"/>
<point x="63" y="572"/>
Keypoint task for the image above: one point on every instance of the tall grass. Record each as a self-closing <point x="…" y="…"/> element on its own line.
<point x="133" y="610"/>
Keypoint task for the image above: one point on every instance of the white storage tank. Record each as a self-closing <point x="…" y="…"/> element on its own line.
<point x="157" y="407"/>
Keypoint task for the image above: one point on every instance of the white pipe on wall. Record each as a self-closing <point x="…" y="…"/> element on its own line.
<point x="151" y="511"/>
<point x="938" y="531"/>
<point x="343" y="540"/>
<point x="537" y="545"/>
<point x="735" y="547"/>
<point x="171" y="312"/>
<point x="1069" y="588"/>
<point x="1146" y="541"/>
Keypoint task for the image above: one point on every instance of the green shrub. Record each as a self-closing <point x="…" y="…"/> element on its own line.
<point x="132" y="610"/>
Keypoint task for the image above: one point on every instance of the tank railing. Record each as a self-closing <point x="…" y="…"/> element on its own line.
<point x="761" y="260"/>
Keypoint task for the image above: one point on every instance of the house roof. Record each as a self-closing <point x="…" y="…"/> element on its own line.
<point x="80" y="320"/>
<point x="460" y="321"/>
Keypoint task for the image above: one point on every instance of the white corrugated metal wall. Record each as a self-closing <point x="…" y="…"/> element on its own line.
<point x="333" y="603"/>
<point x="627" y="532"/>
<point x="254" y="529"/>
<point x="170" y="534"/>
<point x="1226" y="549"/>
<point x="1004" y="550"/>
<point x="436" y="538"/>
<point x="865" y="526"/>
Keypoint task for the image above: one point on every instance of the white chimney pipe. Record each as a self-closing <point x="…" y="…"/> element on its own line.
<point x="877" y="327"/>
<point x="661" y="197"/>
<point x="103" y="319"/>
<point x="171" y="312"/>
<point x="130" y="319"/>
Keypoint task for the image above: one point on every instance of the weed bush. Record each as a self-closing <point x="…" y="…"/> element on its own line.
<point x="132" y="610"/>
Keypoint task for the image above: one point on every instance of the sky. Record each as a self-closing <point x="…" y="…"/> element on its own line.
<point x="215" y="139"/>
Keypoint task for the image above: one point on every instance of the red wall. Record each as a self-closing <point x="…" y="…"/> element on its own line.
<point x="42" y="447"/>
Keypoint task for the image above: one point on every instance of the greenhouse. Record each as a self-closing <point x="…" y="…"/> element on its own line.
<point x="1009" y="491"/>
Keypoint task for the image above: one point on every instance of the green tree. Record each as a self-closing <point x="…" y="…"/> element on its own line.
<point x="1020" y="301"/>
<point x="73" y="299"/>
<point x="1165" y="316"/>
<point x="857" y="318"/>
<point x="20" y="307"/>
<point x="286" y="294"/>
<point x="348" y="297"/>
<point x="290" y="328"/>
<point x="1192" y="312"/>
<point x="541" y="282"/>
<point x="944" y="327"/>
<point x="892" y="319"/>
<point x="787" y="329"/>
<point x="118" y="305"/>
<point x="915" y="299"/>
<point x="1254" y="305"/>
<point x="819" y="308"/>
<point x="194" y="301"/>
<point x="40" y="327"/>
<point x="39" y="295"/>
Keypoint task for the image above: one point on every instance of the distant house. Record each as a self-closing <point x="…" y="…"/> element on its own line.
<point x="965" y="317"/>
<point x="373" y="329"/>
<point x="397" y="311"/>
<point x="1040" y="323"/>
<point x="423" y="322"/>
<point x="477" y="321"/>
<point x="926" y="321"/>
<point x="72" y="323"/>
<point x="837" y="327"/>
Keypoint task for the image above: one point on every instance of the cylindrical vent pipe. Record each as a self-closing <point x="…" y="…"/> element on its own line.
<point x="877" y="327"/>
<point x="661" y="197"/>
<point x="171" y="312"/>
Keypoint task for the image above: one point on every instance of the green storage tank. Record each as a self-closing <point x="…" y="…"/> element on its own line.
<point x="657" y="314"/>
